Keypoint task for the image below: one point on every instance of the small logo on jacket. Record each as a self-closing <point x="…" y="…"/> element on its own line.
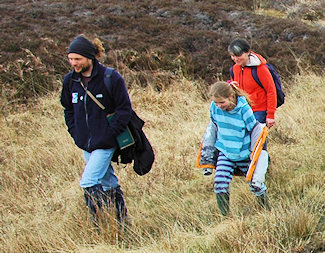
<point x="74" y="98"/>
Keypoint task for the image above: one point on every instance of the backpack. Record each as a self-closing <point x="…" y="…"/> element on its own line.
<point x="276" y="79"/>
<point x="141" y="152"/>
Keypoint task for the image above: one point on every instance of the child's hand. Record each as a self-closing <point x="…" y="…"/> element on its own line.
<point x="233" y="83"/>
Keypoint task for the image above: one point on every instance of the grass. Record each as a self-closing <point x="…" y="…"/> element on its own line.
<point x="173" y="208"/>
<point x="167" y="58"/>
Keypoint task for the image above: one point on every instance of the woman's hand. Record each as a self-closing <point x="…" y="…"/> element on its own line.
<point x="270" y="122"/>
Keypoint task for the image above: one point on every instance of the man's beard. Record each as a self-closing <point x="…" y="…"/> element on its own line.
<point x="84" y="69"/>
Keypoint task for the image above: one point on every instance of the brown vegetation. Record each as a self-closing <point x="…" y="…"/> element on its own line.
<point x="188" y="36"/>
<point x="168" y="51"/>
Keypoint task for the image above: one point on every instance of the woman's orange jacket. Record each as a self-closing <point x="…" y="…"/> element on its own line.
<point x="262" y="99"/>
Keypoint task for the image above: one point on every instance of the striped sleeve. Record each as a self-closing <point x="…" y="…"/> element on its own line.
<point x="248" y="117"/>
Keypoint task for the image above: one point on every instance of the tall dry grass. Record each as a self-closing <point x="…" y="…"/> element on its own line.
<point x="173" y="208"/>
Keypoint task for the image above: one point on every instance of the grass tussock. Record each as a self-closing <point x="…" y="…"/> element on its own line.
<point x="173" y="208"/>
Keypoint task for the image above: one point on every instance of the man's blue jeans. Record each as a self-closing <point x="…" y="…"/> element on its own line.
<point x="99" y="170"/>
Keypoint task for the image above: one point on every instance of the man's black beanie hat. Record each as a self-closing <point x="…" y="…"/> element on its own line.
<point x="80" y="45"/>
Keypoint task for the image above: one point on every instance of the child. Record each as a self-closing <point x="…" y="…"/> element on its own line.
<point x="230" y="111"/>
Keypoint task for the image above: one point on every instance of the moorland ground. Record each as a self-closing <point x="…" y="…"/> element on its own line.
<point x="168" y="52"/>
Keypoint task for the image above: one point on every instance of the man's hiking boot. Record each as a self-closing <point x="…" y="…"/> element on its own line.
<point x="115" y="197"/>
<point x="223" y="203"/>
<point x="100" y="203"/>
<point x="95" y="199"/>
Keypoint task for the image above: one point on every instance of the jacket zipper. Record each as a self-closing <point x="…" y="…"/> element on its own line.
<point x="242" y="78"/>
<point x="86" y="112"/>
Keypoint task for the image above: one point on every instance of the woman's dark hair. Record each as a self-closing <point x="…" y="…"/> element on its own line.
<point x="239" y="46"/>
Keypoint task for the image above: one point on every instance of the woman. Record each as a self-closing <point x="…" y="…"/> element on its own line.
<point x="264" y="101"/>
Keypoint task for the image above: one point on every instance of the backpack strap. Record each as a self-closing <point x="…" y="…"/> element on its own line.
<point x="231" y="71"/>
<point x="69" y="76"/>
<point x="254" y="74"/>
<point x="107" y="80"/>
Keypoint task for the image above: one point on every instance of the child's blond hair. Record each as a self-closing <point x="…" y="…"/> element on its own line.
<point x="222" y="89"/>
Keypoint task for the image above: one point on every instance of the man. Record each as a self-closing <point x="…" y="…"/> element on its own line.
<point x="88" y="126"/>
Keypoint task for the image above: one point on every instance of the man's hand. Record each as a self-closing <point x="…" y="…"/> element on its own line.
<point x="270" y="122"/>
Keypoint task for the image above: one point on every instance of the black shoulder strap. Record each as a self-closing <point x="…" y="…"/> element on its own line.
<point x="255" y="76"/>
<point x="231" y="71"/>
<point x="107" y="79"/>
<point x="70" y="81"/>
<point x="254" y="73"/>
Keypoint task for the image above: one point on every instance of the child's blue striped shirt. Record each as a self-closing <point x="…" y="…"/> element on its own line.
<point x="234" y="128"/>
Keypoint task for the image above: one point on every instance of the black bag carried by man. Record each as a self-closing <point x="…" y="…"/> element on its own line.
<point x="141" y="153"/>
